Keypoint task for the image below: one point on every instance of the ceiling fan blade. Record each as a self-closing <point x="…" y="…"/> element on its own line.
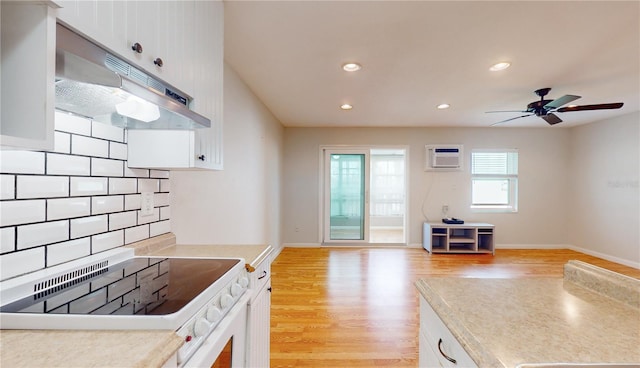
<point x="560" y="101"/>
<point x="552" y="119"/>
<point x="504" y="121"/>
<point x="606" y="106"/>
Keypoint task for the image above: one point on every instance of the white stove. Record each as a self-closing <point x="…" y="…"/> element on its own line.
<point x="116" y="290"/>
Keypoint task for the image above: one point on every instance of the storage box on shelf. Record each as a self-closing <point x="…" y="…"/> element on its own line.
<point x="453" y="238"/>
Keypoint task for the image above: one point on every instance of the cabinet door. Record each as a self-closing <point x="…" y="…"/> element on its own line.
<point x="259" y="328"/>
<point x="427" y="358"/>
<point x="27" y="75"/>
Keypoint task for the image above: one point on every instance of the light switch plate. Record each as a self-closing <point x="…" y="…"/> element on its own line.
<point x="147" y="204"/>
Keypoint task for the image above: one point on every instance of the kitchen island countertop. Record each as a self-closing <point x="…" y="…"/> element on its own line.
<point x="507" y="322"/>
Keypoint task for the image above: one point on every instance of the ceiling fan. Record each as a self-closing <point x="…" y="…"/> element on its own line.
<point x="546" y="108"/>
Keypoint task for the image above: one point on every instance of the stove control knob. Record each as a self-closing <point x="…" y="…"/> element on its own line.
<point x="201" y="327"/>
<point x="244" y="282"/>
<point x="213" y="314"/>
<point x="226" y="301"/>
<point x="236" y="289"/>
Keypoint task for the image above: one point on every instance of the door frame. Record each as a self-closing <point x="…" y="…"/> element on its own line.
<point x="326" y="197"/>
<point x="323" y="188"/>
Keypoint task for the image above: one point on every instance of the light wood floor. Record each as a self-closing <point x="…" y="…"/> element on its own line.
<point x="358" y="307"/>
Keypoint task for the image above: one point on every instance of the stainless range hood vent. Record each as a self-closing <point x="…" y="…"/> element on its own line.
<point x="94" y="83"/>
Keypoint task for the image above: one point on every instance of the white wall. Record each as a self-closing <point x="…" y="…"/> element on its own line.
<point x="241" y="204"/>
<point x="604" y="216"/>
<point x="540" y="222"/>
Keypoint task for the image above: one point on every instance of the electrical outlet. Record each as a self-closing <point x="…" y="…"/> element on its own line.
<point x="445" y="209"/>
<point x="146" y="204"/>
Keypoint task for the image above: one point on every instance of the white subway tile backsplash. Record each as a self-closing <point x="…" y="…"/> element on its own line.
<point x="67" y="251"/>
<point x="117" y="151"/>
<point x="135" y="173"/>
<point x="19" y="263"/>
<point x="86" y="226"/>
<point x="122" y="220"/>
<point x="132" y="202"/>
<point x="7" y="239"/>
<point x="62" y="142"/>
<point x="165" y="213"/>
<point x="148" y="185"/>
<point x="72" y="123"/>
<point x="158" y="228"/>
<point x="161" y="199"/>
<point x="106" y="167"/>
<point x="107" y="204"/>
<point x="21" y="162"/>
<point x="7" y="187"/>
<point x="33" y="186"/>
<point x="151" y="218"/>
<point x="134" y="234"/>
<point x="86" y="146"/>
<point x="58" y="164"/>
<point x="165" y="185"/>
<point x="106" y="241"/>
<point x="123" y="185"/>
<point x="21" y="212"/>
<point x="30" y="236"/>
<point x="106" y="131"/>
<point x="86" y="186"/>
<point x="160" y="174"/>
<point x="79" y="198"/>
<point x="68" y="208"/>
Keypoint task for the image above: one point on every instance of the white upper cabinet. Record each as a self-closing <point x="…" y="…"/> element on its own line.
<point x="150" y="34"/>
<point x="27" y="75"/>
<point x="202" y="37"/>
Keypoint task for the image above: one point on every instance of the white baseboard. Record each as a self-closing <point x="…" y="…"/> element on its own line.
<point x="608" y="257"/>
<point x="533" y="246"/>
<point x="301" y="245"/>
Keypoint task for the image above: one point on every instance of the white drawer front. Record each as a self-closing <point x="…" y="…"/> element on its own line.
<point x="440" y="339"/>
<point x="260" y="276"/>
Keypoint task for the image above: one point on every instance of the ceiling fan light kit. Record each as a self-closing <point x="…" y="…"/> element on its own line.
<point x="545" y="109"/>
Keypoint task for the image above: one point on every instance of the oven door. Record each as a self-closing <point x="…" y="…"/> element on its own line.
<point x="225" y="346"/>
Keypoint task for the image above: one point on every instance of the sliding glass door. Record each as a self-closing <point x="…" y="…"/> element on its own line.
<point x="364" y="195"/>
<point x="346" y="196"/>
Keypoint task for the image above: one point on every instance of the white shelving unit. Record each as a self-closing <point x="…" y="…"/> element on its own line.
<point x="463" y="238"/>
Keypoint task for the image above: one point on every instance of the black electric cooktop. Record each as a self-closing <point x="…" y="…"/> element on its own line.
<point x="139" y="286"/>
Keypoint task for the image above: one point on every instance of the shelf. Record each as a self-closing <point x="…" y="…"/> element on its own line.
<point x="462" y="238"/>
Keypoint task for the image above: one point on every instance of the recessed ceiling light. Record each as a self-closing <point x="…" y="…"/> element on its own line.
<point x="346" y="107"/>
<point x="351" y="67"/>
<point x="443" y="106"/>
<point x="500" y="66"/>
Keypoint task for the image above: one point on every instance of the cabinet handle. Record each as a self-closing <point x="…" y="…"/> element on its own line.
<point x="137" y="48"/>
<point x="158" y="62"/>
<point x="269" y="289"/>
<point x="445" y="355"/>
<point x="201" y="157"/>
<point x="264" y="274"/>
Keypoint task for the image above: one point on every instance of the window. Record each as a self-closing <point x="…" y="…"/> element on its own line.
<point x="494" y="180"/>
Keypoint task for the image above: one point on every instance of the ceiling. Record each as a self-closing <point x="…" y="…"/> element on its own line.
<point x="418" y="54"/>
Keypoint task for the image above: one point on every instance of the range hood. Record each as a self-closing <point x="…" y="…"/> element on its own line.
<point x="94" y="83"/>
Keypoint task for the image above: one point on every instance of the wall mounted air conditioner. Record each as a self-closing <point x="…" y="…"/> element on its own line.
<point x="443" y="157"/>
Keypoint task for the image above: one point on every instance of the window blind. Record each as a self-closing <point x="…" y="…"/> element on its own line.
<point x="494" y="163"/>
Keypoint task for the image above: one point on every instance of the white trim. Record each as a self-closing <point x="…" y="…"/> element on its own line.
<point x="608" y="257"/>
<point x="533" y="246"/>
<point x="301" y="245"/>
